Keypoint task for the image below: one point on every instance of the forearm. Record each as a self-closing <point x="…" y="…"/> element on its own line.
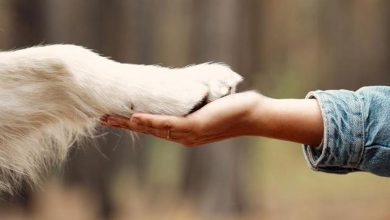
<point x="297" y="120"/>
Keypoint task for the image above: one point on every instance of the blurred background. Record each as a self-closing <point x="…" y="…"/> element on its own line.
<point x="283" y="48"/>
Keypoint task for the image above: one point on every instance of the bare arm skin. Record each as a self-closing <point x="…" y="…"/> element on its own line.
<point x="248" y="113"/>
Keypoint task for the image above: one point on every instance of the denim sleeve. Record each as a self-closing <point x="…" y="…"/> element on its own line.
<point x="356" y="131"/>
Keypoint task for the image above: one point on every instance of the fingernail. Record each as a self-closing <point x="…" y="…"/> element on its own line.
<point x="103" y="119"/>
<point x="112" y="122"/>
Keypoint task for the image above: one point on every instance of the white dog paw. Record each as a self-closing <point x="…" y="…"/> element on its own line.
<point x="183" y="91"/>
<point x="219" y="78"/>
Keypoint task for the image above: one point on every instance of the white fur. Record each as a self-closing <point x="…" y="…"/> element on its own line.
<point x="52" y="96"/>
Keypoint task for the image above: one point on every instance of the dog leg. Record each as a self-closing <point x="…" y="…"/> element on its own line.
<point x="52" y="96"/>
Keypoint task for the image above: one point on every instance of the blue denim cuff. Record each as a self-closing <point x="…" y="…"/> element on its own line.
<point x="343" y="141"/>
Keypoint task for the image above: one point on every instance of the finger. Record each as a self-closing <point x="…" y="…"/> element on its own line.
<point x="163" y="122"/>
<point x="134" y="125"/>
<point x="177" y="135"/>
<point x="162" y="133"/>
<point x="103" y="118"/>
<point x="116" y="126"/>
<point x="126" y="123"/>
<point x="115" y="120"/>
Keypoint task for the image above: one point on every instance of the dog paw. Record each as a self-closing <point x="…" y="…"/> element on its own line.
<point x="219" y="79"/>
<point x="183" y="91"/>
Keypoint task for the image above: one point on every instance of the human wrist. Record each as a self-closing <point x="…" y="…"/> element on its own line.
<point x="297" y="120"/>
<point x="253" y="113"/>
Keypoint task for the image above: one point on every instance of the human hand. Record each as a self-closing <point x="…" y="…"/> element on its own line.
<point x="224" y="118"/>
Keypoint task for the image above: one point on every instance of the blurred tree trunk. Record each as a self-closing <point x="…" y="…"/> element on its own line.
<point x="355" y="42"/>
<point x="25" y="28"/>
<point x="223" y="31"/>
<point x="27" y="23"/>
